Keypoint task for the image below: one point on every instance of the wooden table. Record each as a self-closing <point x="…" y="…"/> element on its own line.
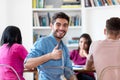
<point x="82" y="70"/>
<point x="34" y="72"/>
<point x="75" y="70"/>
<point x="30" y="70"/>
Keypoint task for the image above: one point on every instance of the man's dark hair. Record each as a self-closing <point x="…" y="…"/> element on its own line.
<point x="60" y="15"/>
<point x="113" y="26"/>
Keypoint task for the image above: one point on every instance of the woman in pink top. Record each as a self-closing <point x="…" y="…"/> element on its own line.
<point x="12" y="53"/>
<point x="79" y="56"/>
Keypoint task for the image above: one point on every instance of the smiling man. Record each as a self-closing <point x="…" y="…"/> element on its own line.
<point x="49" y="54"/>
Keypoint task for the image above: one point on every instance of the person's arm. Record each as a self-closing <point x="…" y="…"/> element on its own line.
<point x="73" y="77"/>
<point x="85" y="53"/>
<point x="89" y="62"/>
<point x="34" y="62"/>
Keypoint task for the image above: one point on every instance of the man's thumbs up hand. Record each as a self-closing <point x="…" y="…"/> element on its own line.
<point x="56" y="53"/>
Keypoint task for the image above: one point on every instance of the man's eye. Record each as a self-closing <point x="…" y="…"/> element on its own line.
<point x="58" y="24"/>
<point x="65" y="25"/>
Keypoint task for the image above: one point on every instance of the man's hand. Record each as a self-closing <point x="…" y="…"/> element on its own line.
<point x="56" y="53"/>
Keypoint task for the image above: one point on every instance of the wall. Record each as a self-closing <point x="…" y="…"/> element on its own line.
<point x="3" y="17"/>
<point x="96" y="18"/>
<point x="20" y="14"/>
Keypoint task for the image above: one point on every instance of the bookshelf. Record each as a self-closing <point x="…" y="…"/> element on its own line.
<point x="99" y="3"/>
<point x="96" y="16"/>
<point x="42" y="16"/>
<point x="89" y="15"/>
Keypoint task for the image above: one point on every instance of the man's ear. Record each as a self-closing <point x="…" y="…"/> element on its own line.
<point x="51" y="25"/>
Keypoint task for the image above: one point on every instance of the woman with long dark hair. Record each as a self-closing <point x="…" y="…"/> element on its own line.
<point x="79" y="56"/>
<point x="12" y="53"/>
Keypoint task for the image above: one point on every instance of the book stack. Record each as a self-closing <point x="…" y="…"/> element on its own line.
<point x="92" y="3"/>
<point x="36" y="36"/>
<point x="74" y="40"/>
<point x="37" y="3"/>
<point x="71" y="4"/>
<point x="41" y="19"/>
<point x="75" y="20"/>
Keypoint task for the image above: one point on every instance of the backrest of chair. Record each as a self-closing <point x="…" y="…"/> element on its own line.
<point x="106" y="53"/>
<point x="110" y="73"/>
<point x="6" y="70"/>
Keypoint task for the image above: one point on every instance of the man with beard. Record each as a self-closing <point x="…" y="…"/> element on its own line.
<point x="49" y="54"/>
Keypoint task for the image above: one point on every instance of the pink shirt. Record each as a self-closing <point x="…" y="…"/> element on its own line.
<point x="104" y="53"/>
<point x="78" y="60"/>
<point x="14" y="57"/>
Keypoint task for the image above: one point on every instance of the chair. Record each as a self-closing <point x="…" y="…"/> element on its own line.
<point x="110" y="73"/>
<point x="4" y="69"/>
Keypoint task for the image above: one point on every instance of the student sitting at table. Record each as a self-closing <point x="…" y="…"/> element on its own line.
<point x="104" y="54"/>
<point x="12" y="54"/>
<point x="79" y="56"/>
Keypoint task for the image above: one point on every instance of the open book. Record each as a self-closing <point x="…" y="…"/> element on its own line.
<point x="78" y="67"/>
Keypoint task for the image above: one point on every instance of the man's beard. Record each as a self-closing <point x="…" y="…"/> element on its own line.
<point x="59" y="37"/>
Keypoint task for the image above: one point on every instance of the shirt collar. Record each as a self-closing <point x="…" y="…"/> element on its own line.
<point x="54" y="39"/>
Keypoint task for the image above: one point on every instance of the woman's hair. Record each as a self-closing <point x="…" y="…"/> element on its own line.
<point x="88" y="38"/>
<point x="11" y="35"/>
<point x="60" y="15"/>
